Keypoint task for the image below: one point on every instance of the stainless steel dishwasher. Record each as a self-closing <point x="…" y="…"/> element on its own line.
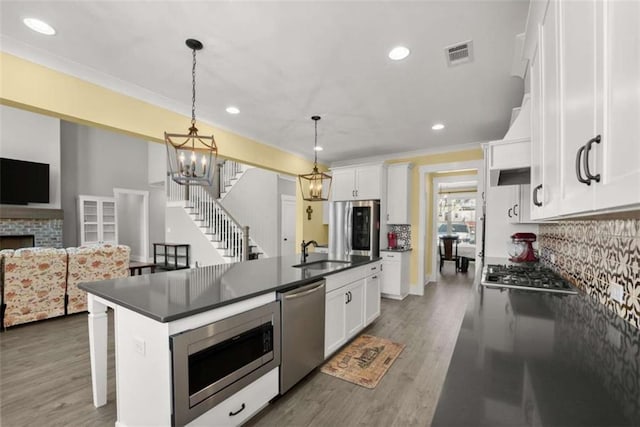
<point x="302" y="321"/>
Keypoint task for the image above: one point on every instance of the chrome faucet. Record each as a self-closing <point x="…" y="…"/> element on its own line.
<point x="303" y="249"/>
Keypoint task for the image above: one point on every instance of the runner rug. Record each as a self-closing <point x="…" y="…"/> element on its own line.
<point x="365" y="361"/>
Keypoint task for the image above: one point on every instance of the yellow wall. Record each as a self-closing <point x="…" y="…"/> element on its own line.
<point x="36" y="88"/>
<point x="430" y="159"/>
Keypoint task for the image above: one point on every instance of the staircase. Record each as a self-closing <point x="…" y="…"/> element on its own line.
<point x="229" y="173"/>
<point x="229" y="237"/>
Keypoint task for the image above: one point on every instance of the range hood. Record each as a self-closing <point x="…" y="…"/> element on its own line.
<point x="510" y="158"/>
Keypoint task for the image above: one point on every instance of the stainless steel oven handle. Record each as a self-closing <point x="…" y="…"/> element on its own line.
<point x="303" y="293"/>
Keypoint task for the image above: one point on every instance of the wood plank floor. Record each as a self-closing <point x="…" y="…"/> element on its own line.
<point x="45" y="374"/>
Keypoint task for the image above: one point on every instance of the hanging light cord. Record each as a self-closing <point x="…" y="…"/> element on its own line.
<point x="315" y="145"/>
<point x="193" y="91"/>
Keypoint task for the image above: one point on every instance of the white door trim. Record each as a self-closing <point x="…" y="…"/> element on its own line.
<point x="145" y="214"/>
<point x="285" y="198"/>
<point x="434" y="217"/>
<point x="418" y="289"/>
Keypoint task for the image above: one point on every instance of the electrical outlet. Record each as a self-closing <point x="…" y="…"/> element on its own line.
<point x="139" y="345"/>
<point x="616" y="292"/>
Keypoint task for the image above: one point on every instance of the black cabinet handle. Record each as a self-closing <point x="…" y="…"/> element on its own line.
<point x="233" y="414"/>
<point x="509" y="213"/>
<point x="514" y="210"/>
<point x="596" y="178"/>
<point x="578" y="171"/>
<point x="535" y="195"/>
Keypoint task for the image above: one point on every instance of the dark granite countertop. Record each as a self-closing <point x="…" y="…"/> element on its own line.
<point x="526" y="358"/>
<point x="396" y="250"/>
<point x="172" y="295"/>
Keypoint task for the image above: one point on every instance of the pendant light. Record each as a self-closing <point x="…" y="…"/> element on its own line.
<point x="192" y="158"/>
<point x="315" y="186"/>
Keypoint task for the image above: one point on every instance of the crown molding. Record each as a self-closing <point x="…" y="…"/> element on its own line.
<point x="407" y="155"/>
<point x="47" y="59"/>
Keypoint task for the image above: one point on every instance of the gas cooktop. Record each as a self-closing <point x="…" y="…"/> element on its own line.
<point x="531" y="277"/>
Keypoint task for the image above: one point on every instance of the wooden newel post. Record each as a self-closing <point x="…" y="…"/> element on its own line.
<point x="245" y="243"/>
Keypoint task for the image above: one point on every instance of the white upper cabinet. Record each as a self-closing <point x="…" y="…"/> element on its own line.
<point x="579" y="101"/>
<point x="398" y="193"/>
<point x="585" y="89"/>
<point x="618" y="154"/>
<point x="357" y="183"/>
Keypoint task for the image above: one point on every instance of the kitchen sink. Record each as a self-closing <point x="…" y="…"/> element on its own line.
<point x="322" y="265"/>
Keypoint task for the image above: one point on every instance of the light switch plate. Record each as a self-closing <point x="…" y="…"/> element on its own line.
<point x="616" y="292"/>
<point x="139" y="345"/>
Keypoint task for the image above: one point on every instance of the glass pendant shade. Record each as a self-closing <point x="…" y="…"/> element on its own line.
<point x="192" y="158"/>
<point x="315" y="186"/>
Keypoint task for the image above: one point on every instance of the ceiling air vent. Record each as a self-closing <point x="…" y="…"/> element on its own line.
<point x="459" y="53"/>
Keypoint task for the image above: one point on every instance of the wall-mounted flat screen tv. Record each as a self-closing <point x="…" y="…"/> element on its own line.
<point x="22" y="182"/>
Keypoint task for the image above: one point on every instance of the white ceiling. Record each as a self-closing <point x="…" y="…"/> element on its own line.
<point x="281" y="62"/>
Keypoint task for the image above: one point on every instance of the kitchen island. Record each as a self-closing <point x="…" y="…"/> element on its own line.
<point x="526" y="358"/>
<point x="151" y="309"/>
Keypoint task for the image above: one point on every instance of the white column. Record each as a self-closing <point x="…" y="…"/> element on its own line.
<point x="98" y="350"/>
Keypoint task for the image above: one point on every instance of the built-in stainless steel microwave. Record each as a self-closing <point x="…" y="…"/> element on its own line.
<point x="215" y="361"/>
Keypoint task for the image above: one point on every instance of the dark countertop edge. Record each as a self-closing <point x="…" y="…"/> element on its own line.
<point x="283" y="287"/>
<point x="397" y="250"/>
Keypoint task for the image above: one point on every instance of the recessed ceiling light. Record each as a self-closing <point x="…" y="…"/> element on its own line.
<point x="233" y="110"/>
<point x="437" y="126"/>
<point x="318" y="148"/>
<point x="398" y="53"/>
<point x="39" y="26"/>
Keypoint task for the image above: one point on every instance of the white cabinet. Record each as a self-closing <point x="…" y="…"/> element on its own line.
<point x="97" y="221"/>
<point x="352" y="302"/>
<point x="357" y="183"/>
<point x="354" y="317"/>
<point x="618" y="154"/>
<point x="544" y="197"/>
<point x="372" y="298"/>
<point x="586" y="103"/>
<point x="579" y="100"/>
<point x="238" y="408"/>
<point x="335" y="333"/>
<point x="395" y="274"/>
<point x="398" y="193"/>
<point x="520" y="209"/>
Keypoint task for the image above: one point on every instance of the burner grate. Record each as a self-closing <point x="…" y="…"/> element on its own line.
<point x="530" y="277"/>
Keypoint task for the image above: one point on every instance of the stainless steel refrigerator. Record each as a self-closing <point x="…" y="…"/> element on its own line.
<point x="354" y="228"/>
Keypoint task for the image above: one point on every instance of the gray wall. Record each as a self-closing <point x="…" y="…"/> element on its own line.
<point x="94" y="162"/>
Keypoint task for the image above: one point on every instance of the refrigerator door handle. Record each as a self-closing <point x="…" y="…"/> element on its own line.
<point x="349" y="248"/>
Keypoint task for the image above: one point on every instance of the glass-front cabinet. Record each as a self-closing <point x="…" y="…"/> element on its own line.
<point x="97" y="220"/>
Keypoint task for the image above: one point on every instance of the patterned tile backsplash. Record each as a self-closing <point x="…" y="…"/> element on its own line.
<point x="592" y="255"/>
<point x="403" y="233"/>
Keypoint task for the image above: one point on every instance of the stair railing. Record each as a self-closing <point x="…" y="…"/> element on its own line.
<point x="214" y="217"/>
<point x="228" y="171"/>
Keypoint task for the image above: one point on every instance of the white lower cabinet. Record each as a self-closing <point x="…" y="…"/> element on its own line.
<point x="335" y="333"/>
<point x="395" y="275"/>
<point x="352" y="302"/>
<point x="241" y="406"/>
<point x="372" y="298"/>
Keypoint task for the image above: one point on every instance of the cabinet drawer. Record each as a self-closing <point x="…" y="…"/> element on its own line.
<point x="252" y="398"/>
<point x="391" y="257"/>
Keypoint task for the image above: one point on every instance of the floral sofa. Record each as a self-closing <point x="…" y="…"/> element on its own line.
<point x="40" y="283"/>
<point x="90" y="264"/>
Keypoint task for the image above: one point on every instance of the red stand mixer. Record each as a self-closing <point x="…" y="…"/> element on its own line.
<point x="392" y="239"/>
<point x="521" y="249"/>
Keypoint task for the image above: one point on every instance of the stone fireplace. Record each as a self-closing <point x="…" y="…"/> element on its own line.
<point x="25" y="227"/>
